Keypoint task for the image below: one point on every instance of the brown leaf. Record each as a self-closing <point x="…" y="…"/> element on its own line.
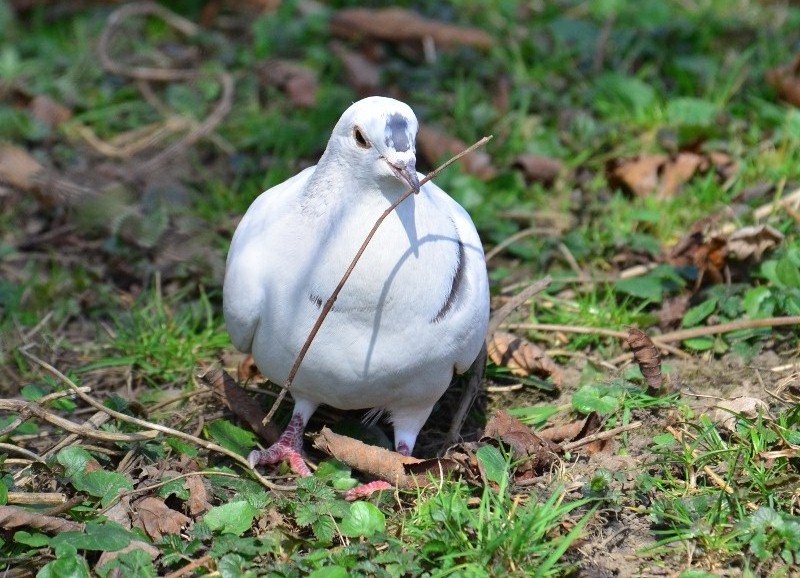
<point x="522" y="357"/>
<point x="786" y="81"/>
<point x="672" y="310"/>
<point x="400" y="25"/>
<point x="638" y="176"/>
<point x="17" y="167"/>
<point x="239" y="402"/>
<point x="676" y="172"/>
<point x="437" y="146"/>
<point x="12" y="517"/>
<point x="753" y="241"/>
<point x="48" y="111"/>
<point x="538" y="169"/>
<point x="198" y="495"/>
<point x="362" y="74"/>
<point x="707" y="254"/>
<point x="572" y="431"/>
<point x="524" y="444"/>
<point x="298" y="82"/>
<point x="247" y="369"/>
<point x="402" y="471"/>
<point x="646" y="354"/>
<point x="158" y="519"/>
<point x="725" y="416"/>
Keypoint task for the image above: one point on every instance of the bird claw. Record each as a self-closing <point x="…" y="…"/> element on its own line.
<point x="366" y="490"/>
<point x="288" y="448"/>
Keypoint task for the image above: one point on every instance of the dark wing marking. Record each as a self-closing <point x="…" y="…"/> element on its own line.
<point x="458" y="285"/>
<point x="315" y="299"/>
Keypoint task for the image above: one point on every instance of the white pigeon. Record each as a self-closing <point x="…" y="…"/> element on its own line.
<point x="415" y="309"/>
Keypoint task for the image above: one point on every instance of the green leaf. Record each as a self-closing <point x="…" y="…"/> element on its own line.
<point x="33" y="540"/>
<point x="693" y="112"/>
<point x="788" y="273"/>
<point x="324" y="528"/>
<point x="234" y="566"/>
<point x="330" y="572"/>
<point x="134" y="563"/>
<point x="699" y="343"/>
<point x="232" y="518"/>
<point x="758" y="302"/>
<point x="182" y="447"/>
<point x="493" y="463"/>
<point x="177" y="487"/>
<point x="108" y="536"/>
<point x="590" y="398"/>
<point x="74" y="460"/>
<point x="534" y="415"/>
<point x="231" y="437"/>
<point x="664" y="440"/>
<point x="647" y="287"/>
<point x="3" y="493"/>
<point x="362" y="520"/>
<point x="697" y="314"/>
<point x="67" y="565"/>
<point x="103" y="484"/>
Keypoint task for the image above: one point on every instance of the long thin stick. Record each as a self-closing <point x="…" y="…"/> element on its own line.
<point x="332" y="299"/>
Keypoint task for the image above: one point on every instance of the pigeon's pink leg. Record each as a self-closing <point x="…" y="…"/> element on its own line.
<point x="289" y="446"/>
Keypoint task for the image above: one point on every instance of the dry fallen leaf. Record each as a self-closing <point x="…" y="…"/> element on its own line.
<point x="753" y="241"/>
<point x="646" y="354"/>
<point x="676" y="172"/>
<point x="706" y="254"/>
<point x="298" y="82"/>
<point x="436" y="146"/>
<point x="638" y="176"/>
<point x="524" y="443"/>
<point x="538" y="169"/>
<point x="198" y="495"/>
<point x="400" y="25"/>
<point x="158" y="519"/>
<point x="786" y="81"/>
<point x="725" y="416"/>
<point x="17" y="167"/>
<point x="522" y="357"/>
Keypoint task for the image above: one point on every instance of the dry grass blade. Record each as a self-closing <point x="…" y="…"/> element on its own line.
<point x="332" y="299"/>
<point x="502" y="314"/>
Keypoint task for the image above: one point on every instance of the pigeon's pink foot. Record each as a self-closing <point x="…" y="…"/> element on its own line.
<point x="289" y="448"/>
<point x="366" y="490"/>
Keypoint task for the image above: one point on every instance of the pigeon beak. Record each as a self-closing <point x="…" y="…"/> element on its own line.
<point x="406" y="171"/>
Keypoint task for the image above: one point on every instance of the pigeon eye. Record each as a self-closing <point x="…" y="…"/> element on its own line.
<point x="360" y="139"/>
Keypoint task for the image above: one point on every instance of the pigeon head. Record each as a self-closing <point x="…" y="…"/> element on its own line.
<point x="375" y="137"/>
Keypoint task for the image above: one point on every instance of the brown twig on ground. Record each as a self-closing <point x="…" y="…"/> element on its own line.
<point x="596" y="331"/>
<point x="682" y="334"/>
<point x="154" y="427"/>
<point x="30" y="408"/>
<point x="332" y="299"/>
<point x="205" y="561"/>
<point x="517" y="300"/>
<point x="37" y="498"/>
<point x="603" y="435"/>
